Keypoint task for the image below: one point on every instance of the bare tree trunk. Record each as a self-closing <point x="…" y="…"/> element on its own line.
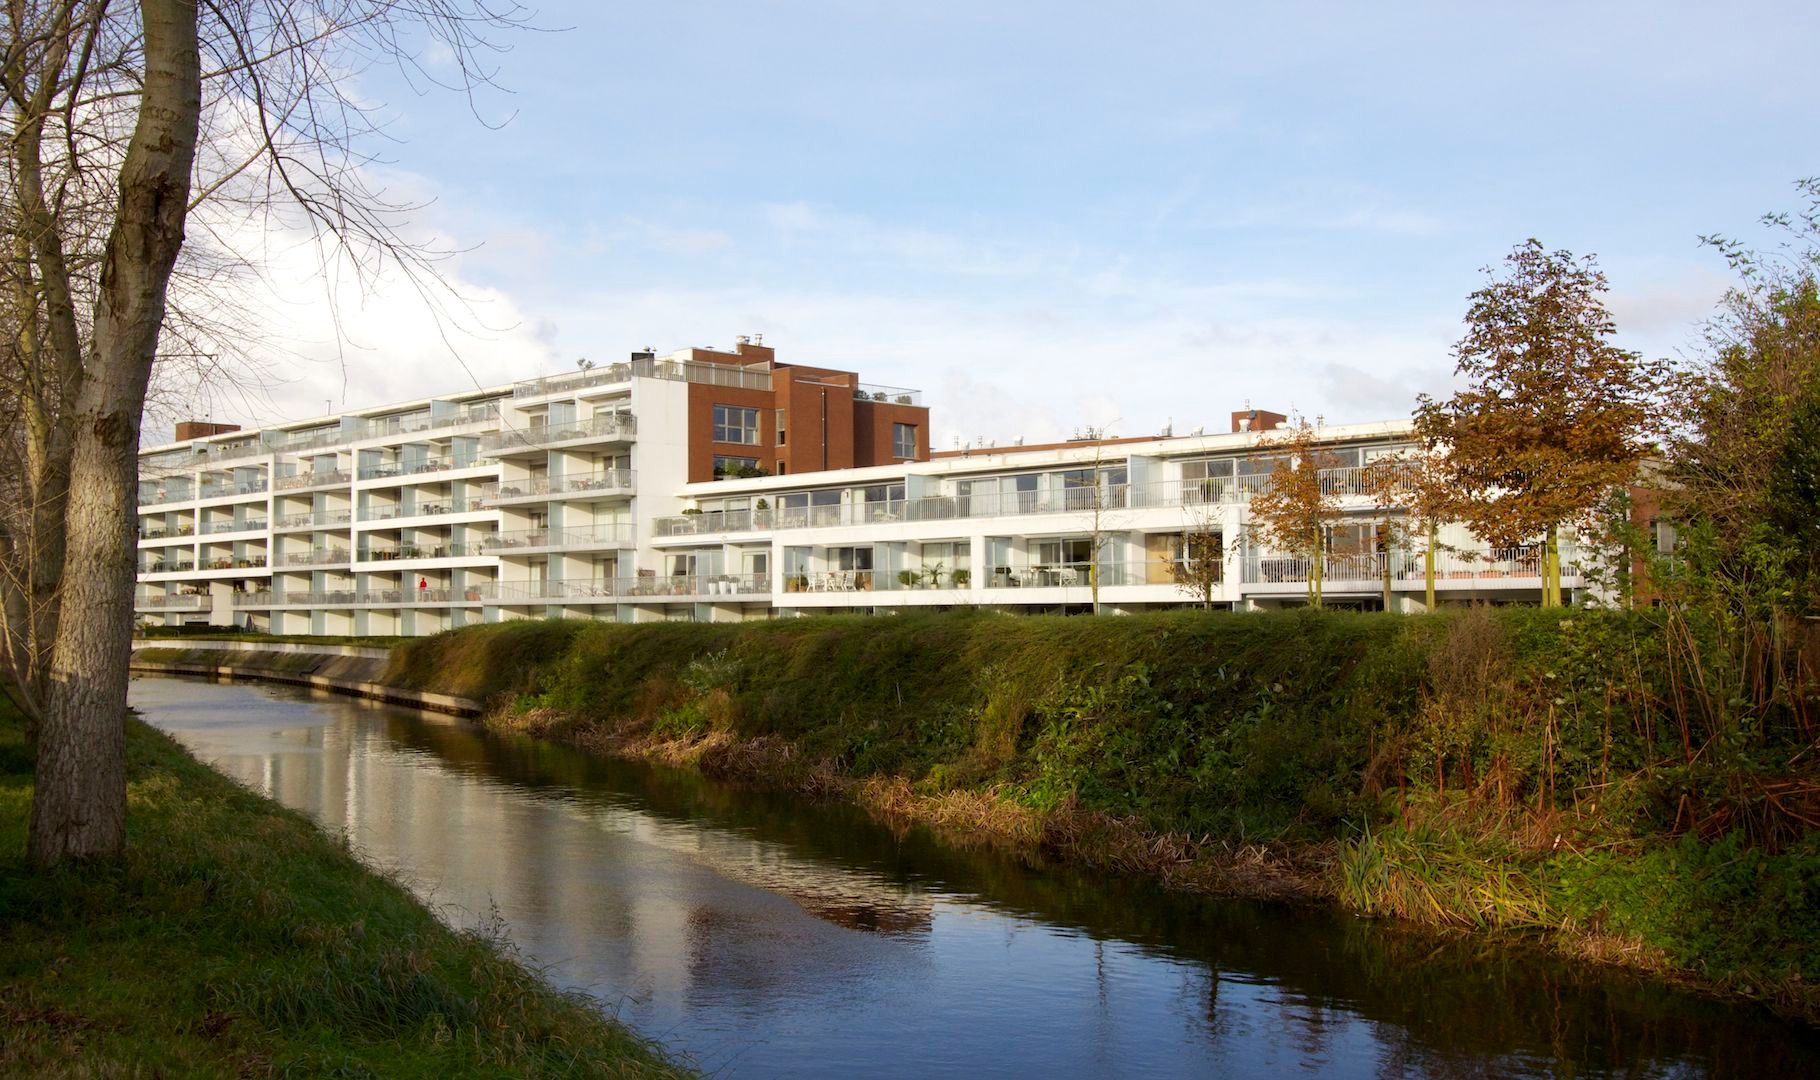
<point x="79" y="805"/>
<point x="1551" y="570"/>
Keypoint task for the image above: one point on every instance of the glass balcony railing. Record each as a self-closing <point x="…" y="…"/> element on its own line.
<point x="1407" y="569"/>
<point x="319" y="478"/>
<point x="243" y="487"/>
<point x="253" y="599"/>
<point x="619" y="534"/>
<point x="630" y="589"/>
<point x="315" y="520"/>
<point x="427" y="508"/>
<point x="177" y="601"/>
<point x="610" y="427"/>
<point x="611" y="481"/>
<point x="233" y="526"/>
<point x="319" y="557"/>
<point x="457" y="550"/>
<point x="392" y="469"/>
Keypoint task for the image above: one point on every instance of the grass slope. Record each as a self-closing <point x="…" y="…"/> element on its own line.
<point x="236" y="938"/>
<point x="1511" y="769"/>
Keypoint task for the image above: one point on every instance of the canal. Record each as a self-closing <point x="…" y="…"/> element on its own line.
<point x="766" y="935"/>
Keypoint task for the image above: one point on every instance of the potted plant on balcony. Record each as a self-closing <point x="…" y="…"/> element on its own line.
<point x="908" y="578"/>
<point x="933" y="573"/>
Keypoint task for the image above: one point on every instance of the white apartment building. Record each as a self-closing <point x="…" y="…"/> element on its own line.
<point x="590" y="495"/>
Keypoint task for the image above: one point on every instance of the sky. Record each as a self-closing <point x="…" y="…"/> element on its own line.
<point x="1053" y="215"/>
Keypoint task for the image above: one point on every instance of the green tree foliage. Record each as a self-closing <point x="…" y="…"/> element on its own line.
<point x="1744" y="463"/>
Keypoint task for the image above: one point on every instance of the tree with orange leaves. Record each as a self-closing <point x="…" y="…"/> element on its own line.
<point x="1294" y="511"/>
<point x="1554" y="415"/>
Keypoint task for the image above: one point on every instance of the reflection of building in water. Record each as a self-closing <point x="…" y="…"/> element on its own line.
<point x="586" y="881"/>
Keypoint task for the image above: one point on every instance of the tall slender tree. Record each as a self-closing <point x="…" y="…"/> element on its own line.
<point x="1416" y="492"/>
<point x="1297" y="507"/>
<point x="122" y="118"/>
<point x="1553" y="415"/>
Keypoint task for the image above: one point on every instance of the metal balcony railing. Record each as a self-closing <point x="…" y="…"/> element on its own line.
<point x="244" y="487"/>
<point x="894" y="395"/>
<point x="253" y="599"/>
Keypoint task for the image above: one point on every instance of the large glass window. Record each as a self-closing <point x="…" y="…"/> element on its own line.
<point x="726" y="466"/>
<point x="903" y="440"/>
<point x="735" y="424"/>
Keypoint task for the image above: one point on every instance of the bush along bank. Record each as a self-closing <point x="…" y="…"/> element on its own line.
<point x="236" y="938"/>
<point x="1599" y="778"/>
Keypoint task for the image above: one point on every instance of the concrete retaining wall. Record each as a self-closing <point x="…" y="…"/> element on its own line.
<point x="340" y="673"/>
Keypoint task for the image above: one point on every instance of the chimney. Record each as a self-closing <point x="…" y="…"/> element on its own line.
<point x="1257" y="420"/>
<point x="202" y="429"/>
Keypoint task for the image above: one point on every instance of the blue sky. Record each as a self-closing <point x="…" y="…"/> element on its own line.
<point x="1046" y="215"/>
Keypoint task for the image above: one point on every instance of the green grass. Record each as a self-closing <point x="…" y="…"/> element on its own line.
<point x="1510" y="769"/>
<point x="236" y="938"/>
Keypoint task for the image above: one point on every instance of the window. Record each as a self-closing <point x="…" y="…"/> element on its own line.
<point x="780" y="427"/>
<point x="725" y="466"/>
<point x="734" y="424"/>
<point x="903" y="440"/>
<point x="782" y="466"/>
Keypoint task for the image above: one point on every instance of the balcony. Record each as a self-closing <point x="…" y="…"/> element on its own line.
<point x="749" y="377"/>
<point x="316" y="520"/>
<point x="575" y="538"/>
<point x="224" y="491"/>
<point x="611" y="427"/>
<point x="303" y="481"/>
<point x="392" y="470"/>
<point x="170" y="566"/>
<point x="233" y="526"/>
<point x="253" y="599"/>
<point x="540" y="488"/>
<point x="245" y="562"/>
<point x="425" y="509"/>
<point x="157" y="494"/>
<point x="463" y="550"/>
<point x="1520" y="565"/>
<point x="893" y="395"/>
<point x="318" y="557"/>
<point x="630" y="589"/>
<point x="174" y="602"/>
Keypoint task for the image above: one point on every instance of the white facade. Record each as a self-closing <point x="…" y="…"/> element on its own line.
<point x="568" y="496"/>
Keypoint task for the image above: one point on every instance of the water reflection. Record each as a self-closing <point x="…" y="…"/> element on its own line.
<point x="769" y="936"/>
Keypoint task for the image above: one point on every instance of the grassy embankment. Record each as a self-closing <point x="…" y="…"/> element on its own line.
<point x="236" y="938"/>
<point x="1517" y="769"/>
